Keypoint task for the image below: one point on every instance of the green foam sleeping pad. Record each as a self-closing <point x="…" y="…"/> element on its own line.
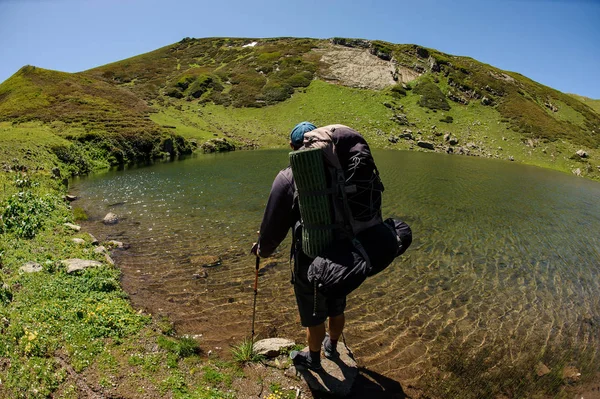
<point x="315" y="209"/>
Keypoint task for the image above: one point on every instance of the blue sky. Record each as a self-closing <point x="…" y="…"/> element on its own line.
<point x="555" y="42"/>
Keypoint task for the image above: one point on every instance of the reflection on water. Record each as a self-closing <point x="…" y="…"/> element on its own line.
<point x="503" y="273"/>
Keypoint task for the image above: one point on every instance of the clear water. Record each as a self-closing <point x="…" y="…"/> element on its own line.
<point x="503" y="272"/>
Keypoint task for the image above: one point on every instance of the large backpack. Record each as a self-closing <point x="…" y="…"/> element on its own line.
<point x="338" y="186"/>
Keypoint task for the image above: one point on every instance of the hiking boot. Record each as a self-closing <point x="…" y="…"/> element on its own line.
<point x="328" y="349"/>
<point x="303" y="360"/>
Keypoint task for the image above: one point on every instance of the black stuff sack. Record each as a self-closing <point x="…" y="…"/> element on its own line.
<point x="345" y="265"/>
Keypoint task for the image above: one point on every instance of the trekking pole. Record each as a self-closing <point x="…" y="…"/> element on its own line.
<point x="255" y="295"/>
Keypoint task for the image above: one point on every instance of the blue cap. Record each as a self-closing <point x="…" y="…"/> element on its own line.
<point x="297" y="134"/>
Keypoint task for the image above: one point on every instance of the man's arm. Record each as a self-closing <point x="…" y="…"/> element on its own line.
<point x="277" y="219"/>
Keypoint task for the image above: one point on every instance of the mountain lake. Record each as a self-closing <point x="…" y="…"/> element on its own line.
<point x="502" y="279"/>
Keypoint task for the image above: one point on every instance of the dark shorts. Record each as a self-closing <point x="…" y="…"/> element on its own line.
<point x="311" y="315"/>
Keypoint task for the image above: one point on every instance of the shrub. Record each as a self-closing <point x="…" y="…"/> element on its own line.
<point x="182" y="347"/>
<point x="301" y="79"/>
<point x="398" y="91"/>
<point x="274" y="92"/>
<point x="174" y="92"/>
<point x="23" y="214"/>
<point x="431" y="96"/>
<point x="447" y="119"/>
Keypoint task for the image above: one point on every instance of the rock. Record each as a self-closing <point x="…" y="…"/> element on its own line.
<point x="206" y="260"/>
<point x="393" y="139"/>
<point x="110" y="218"/>
<point x="542" y="369"/>
<point x="79" y="264"/>
<point x="31" y="267"/>
<point x="79" y="241"/>
<point x="511" y="158"/>
<point x="72" y="226"/>
<point x="486" y="101"/>
<point x="94" y="240"/>
<point x="425" y="144"/>
<point x="433" y="65"/>
<point x="387" y="105"/>
<point x="70" y="198"/>
<point x="453" y="141"/>
<point x="400" y="119"/>
<point x="100" y="250"/>
<point x="337" y="377"/>
<point x="582" y="154"/>
<point x="577" y="172"/>
<point x="200" y="274"/>
<point x="472" y="146"/>
<point x="571" y="375"/>
<point x="115" y="244"/>
<point x="447" y="136"/>
<point x="449" y="150"/>
<point x="272" y="347"/>
<point x="109" y="260"/>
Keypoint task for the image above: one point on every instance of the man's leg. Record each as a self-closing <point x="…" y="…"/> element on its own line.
<point x="315" y="336"/>
<point x="336" y="326"/>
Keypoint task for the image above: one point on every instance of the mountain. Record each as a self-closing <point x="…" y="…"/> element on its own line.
<point x="250" y="92"/>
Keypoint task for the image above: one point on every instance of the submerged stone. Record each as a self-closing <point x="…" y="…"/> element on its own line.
<point x="110" y="218"/>
<point x="72" y="226"/>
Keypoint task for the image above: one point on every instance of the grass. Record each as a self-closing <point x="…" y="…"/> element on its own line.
<point x="244" y="352"/>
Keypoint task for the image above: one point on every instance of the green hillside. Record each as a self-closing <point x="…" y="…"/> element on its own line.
<point x="593" y="104"/>
<point x="195" y="88"/>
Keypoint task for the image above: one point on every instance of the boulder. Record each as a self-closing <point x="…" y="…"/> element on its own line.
<point x="582" y="154"/>
<point x="272" y="347"/>
<point x="31" y="267"/>
<point x="94" y="239"/>
<point x="110" y="218"/>
<point x="100" y="250"/>
<point x="337" y="377"/>
<point x="577" y="172"/>
<point x="453" y="141"/>
<point x="393" y="139"/>
<point x="79" y="241"/>
<point x="426" y="145"/>
<point x="79" y="264"/>
<point x="447" y="136"/>
<point x="72" y="226"/>
<point x="70" y="198"/>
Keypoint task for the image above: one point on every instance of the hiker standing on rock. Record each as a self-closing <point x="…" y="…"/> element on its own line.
<point x="355" y="178"/>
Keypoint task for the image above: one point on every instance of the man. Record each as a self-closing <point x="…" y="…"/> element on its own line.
<point x="281" y="214"/>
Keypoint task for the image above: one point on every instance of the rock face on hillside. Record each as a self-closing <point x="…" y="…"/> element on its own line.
<point x="357" y="67"/>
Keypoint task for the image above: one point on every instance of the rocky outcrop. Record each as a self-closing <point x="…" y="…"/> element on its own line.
<point x="217" y="145"/>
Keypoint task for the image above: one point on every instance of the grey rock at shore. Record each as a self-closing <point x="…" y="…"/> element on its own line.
<point x="79" y="264"/>
<point x="94" y="239"/>
<point x="115" y="244"/>
<point x="272" y="347"/>
<point x="70" y="198"/>
<point x="110" y="218"/>
<point x="100" y="250"/>
<point x="72" y="226"/>
<point x="31" y="267"/>
<point x="338" y="375"/>
<point x="79" y="241"/>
